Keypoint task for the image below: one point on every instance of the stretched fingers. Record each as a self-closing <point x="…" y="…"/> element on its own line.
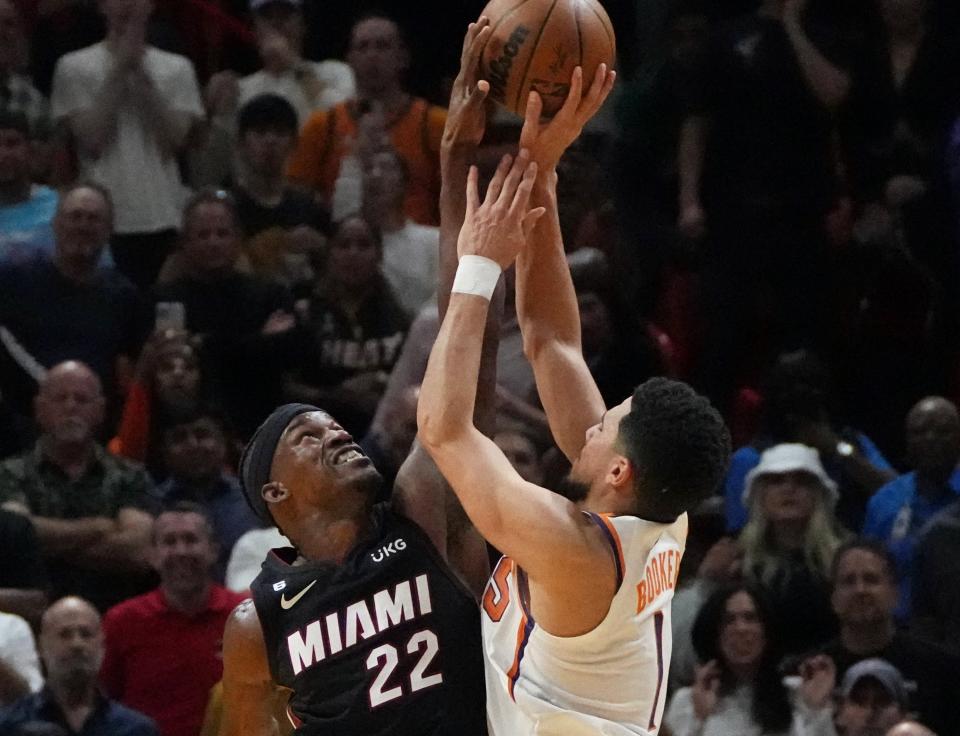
<point x="572" y="103"/>
<point x="512" y="183"/>
<point x="531" y="120"/>
<point x="520" y="205"/>
<point x="599" y="90"/>
<point x="499" y="177"/>
<point x="473" y="190"/>
<point x="470" y="47"/>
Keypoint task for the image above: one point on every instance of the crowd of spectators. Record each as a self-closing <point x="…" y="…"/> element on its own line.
<point x="204" y="212"/>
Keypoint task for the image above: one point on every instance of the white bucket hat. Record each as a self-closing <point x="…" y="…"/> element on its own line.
<point x="788" y="458"/>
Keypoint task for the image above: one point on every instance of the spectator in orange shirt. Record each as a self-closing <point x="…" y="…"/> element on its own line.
<point x="333" y="144"/>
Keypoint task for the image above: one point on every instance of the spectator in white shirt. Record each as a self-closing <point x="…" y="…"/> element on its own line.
<point x="19" y="662"/>
<point x="131" y="109"/>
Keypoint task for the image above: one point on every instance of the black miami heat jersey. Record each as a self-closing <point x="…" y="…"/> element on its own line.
<point x="388" y="642"/>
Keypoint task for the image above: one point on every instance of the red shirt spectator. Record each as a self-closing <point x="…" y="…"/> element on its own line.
<point x="163" y="649"/>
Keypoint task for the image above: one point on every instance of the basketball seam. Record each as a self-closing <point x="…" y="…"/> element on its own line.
<point x="496" y="25"/>
<point x="536" y="44"/>
<point x="608" y="29"/>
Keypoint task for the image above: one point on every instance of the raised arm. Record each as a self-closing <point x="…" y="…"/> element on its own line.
<point x="421" y="492"/>
<point x="828" y="82"/>
<point x="546" y="301"/>
<point x="545" y="533"/>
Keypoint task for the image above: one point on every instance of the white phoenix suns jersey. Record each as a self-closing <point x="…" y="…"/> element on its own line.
<point x="609" y="681"/>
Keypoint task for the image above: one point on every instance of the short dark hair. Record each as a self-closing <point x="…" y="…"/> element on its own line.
<point x="186" y="507"/>
<point x="212" y="195"/>
<point x="268" y="112"/>
<point x="91" y="185"/>
<point x="14" y="120"/>
<point x="678" y="444"/>
<point x="877" y="549"/>
<point x="209" y="412"/>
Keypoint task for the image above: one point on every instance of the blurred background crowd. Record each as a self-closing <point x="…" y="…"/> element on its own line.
<point x="209" y="207"/>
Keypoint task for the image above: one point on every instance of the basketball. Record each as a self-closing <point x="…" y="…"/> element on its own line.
<point x="535" y="45"/>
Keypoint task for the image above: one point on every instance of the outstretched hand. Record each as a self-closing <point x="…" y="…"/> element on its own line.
<point x="466" y="116"/>
<point x="499" y="227"/>
<point x="548" y="141"/>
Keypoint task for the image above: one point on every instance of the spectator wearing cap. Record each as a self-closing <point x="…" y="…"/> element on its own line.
<point x="194" y="451"/>
<point x="936" y="592"/>
<point x="164" y="648"/>
<point x="333" y="145"/>
<point x="790" y="540"/>
<point x="864" y="596"/>
<point x="873" y="698"/>
<point x="798" y="406"/>
<point x="899" y="510"/>
<point x="309" y="86"/>
<point x="282" y="225"/>
<point x="17" y="94"/>
<point x="131" y="108"/>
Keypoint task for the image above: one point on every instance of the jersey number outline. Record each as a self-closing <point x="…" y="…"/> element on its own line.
<point x="425" y="640"/>
<point x="658" y="634"/>
<point x="496" y="596"/>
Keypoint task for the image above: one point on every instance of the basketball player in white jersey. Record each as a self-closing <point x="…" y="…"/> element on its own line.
<point x="576" y="616"/>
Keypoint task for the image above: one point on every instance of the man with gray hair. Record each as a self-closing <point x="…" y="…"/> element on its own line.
<point x="71" y="646"/>
<point x="85" y="504"/>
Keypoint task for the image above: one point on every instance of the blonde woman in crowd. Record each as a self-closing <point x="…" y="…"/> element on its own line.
<point x="790" y="540"/>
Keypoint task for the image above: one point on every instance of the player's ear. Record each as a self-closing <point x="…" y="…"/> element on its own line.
<point x="620" y="474"/>
<point x="275" y="492"/>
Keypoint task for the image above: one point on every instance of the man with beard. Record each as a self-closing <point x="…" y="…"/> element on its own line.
<point x="87" y="506"/>
<point x="164" y="649"/>
<point x="71" y="645"/>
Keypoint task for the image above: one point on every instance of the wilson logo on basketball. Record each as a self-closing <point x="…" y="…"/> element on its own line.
<point x="500" y="69"/>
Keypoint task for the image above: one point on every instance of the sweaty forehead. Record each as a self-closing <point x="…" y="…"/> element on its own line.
<point x="313" y="419"/>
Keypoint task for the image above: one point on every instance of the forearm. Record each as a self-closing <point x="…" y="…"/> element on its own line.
<point x="828" y="82"/>
<point x="866" y="477"/>
<point x="124" y="551"/>
<point x="171" y="127"/>
<point x="448" y="393"/>
<point x="95" y="126"/>
<point x="691" y="152"/>
<point x="59" y="537"/>
<point x="12" y="685"/>
<point x="27" y="603"/>
<point x="546" y="301"/>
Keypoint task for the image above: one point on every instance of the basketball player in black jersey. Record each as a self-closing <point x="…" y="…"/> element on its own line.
<point x="371" y="619"/>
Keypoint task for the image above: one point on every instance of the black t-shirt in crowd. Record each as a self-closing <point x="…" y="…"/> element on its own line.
<point x="54" y="319"/>
<point x="295" y="209"/>
<point x="388" y="642"/>
<point x="769" y="142"/>
<point x="930" y="668"/>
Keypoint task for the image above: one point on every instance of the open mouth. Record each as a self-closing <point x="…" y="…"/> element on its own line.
<point x="346" y="454"/>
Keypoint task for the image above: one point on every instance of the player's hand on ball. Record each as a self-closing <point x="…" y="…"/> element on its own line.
<point x="498" y="228"/>
<point x="548" y="141"/>
<point x="466" y="115"/>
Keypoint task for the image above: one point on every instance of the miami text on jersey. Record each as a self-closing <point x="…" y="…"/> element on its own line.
<point x="337" y="631"/>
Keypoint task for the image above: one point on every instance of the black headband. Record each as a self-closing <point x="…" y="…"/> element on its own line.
<point x="258" y="456"/>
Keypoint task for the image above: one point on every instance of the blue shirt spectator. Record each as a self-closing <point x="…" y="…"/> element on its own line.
<point x="900" y="510"/>
<point x="895" y="516"/>
<point x="26" y="227"/>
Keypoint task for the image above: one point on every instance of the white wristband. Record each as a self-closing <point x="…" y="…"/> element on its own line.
<point x="476" y="275"/>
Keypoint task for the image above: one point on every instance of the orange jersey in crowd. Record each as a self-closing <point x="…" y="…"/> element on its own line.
<point x="327" y="136"/>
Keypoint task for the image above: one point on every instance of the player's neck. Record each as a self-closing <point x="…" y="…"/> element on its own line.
<point x="867" y="638"/>
<point x="321" y="539"/>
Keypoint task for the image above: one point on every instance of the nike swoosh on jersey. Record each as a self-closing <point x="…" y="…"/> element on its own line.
<point x="288" y="604"/>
